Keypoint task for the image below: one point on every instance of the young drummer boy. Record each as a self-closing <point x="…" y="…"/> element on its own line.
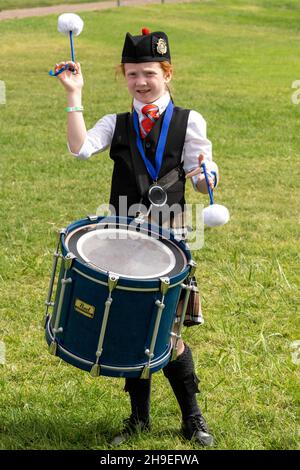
<point x="146" y="65"/>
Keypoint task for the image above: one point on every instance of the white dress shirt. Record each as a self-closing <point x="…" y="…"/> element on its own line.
<point x="99" y="138"/>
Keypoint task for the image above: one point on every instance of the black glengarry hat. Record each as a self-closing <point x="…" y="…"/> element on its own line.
<point x="148" y="47"/>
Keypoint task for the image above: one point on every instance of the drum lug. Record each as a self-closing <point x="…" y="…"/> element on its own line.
<point x="145" y="373"/>
<point x="165" y="284"/>
<point x="193" y="267"/>
<point x="95" y="370"/>
<point x="58" y="330"/>
<point x="61" y="232"/>
<point x="92" y="218"/>
<point x="68" y="260"/>
<point x="112" y="281"/>
<point x="53" y="348"/>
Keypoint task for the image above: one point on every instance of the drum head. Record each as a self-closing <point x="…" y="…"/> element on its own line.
<point x="125" y="252"/>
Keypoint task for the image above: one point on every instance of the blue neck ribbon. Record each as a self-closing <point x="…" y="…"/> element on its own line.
<point x="154" y="172"/>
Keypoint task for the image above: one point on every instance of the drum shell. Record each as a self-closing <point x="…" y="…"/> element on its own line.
<point x="130" y="322"/>
<point x="129" y="330"/>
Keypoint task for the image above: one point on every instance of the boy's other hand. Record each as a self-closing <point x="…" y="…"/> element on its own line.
<point x="198" y="171"/>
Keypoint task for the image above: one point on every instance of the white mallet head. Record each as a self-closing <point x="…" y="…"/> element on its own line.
<point x="215" y="215"/>
<point x="70" y="22"/>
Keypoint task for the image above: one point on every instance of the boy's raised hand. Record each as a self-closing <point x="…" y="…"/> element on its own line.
<point x="72" y="78"/>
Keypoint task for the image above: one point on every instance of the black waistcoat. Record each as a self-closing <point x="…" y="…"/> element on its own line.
<point x="124" y="149"/>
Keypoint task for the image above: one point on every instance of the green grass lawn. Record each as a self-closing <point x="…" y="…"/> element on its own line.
<point x="12" y="4"/>
<point x="235" y="62"/>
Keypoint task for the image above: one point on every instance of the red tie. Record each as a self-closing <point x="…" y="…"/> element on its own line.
<point x="151" y="112"/>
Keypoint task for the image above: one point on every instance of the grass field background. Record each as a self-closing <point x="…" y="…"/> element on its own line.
<point x="235" y="62"/>
<point x="12" y="4"/>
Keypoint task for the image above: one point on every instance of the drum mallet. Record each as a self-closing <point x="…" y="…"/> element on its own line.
<point x="215" y="214"/>
<point x="71" y="25"/>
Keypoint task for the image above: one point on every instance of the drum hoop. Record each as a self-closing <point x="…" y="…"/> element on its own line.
<point x="143" y="229"/>
<point x="122" y="222"/>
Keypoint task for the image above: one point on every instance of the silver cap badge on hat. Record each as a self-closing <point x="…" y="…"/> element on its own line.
<point x="161" y="46"/>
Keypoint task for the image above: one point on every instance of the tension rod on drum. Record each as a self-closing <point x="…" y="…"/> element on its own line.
<point x="188" y="288"/>
<point x="165" y="283"/>
<point x="112" y="282"/>
<point x="68" y="261"/>
<point x="56" y="255"/>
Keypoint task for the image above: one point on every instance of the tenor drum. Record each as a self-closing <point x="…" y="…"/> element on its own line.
<point x="116" y="296"/>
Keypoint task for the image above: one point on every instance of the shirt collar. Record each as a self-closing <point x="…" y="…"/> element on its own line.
<point x="161" y="102"/>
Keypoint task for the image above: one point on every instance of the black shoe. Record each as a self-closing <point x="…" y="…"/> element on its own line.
<point x="132" y="425"/>
<point x="195" y="428"/>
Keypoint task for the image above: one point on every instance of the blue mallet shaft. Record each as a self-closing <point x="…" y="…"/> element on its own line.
<point x="72" y="46"/>
<point x="210" y="192"/>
